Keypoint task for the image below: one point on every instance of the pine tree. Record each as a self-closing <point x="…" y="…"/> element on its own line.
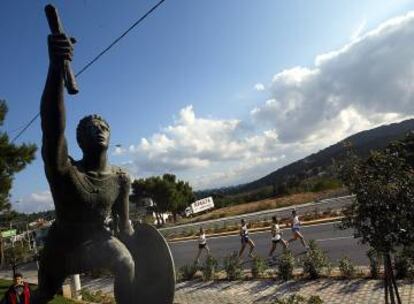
<point x="13" y="159"/>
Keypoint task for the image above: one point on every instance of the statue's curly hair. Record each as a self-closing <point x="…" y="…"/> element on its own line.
<point x="83" y="125"/>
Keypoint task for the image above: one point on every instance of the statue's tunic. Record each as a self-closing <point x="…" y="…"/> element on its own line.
<point x="83" y="204"/>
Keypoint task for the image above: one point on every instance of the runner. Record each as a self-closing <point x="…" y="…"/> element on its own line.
<point x="202" y="244"/>
<point x="244" y="236"/>
<point x="276" y="236"/>
<point x="295" y="224"/>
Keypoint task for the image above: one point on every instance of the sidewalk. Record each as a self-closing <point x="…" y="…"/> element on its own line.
<point x="265" y="292"/>
<point x="358" y="291"/>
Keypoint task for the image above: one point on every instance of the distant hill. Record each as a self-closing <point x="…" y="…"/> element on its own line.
<point x="318" y="163"/>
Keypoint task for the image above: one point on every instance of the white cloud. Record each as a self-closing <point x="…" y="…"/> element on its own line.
<point x="259" y="87"/>
<point x="372" y="77"/>
<point x="198" y="143"/>
<point x="368" y="82"/>
<point x="35" y="202"/>
<point x="356" y="33"/>
<point x="119" y="150"/>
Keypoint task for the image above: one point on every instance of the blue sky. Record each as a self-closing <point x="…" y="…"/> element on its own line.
<point x="193" y="89"/>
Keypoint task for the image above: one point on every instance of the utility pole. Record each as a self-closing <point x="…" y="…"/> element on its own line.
<point x="28" y="237"/>
<point x="1" y="251"/>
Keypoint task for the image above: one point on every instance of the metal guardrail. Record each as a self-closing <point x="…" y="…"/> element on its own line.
<point x="266" y="215"/>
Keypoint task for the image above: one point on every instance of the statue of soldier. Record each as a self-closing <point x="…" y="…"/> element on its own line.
<point x="86" y="193"/>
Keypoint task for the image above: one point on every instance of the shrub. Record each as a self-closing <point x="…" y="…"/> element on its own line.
<point x="329" y="268"/>
<point x="99" y="273"/>
<point x="209" y="268"/>
<point x="298" y="299"/>
<point x="216" y="228"/>
<point x="315" y="300"/>
<point x="188" y="232"/>
<point x="286" y="264"/>
<point x="259" y="267"/>
<point x="232" y="267"/>
<point x="178" y="276"/>
<point x="326" y="184"/>
<point x="374" y="262"/>
<point x="187" y="272"/>
<point x="404" y="264"/>
<point x="293" y="299"/>
<point x="314" y="261"/>
<point x="401" y="267"/>
<point x="97" y="297"/>
<point x="346" y="267"/>
<point x="16" y="254"/>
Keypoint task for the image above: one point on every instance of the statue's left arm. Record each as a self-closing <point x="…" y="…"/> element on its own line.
<point x="121" y="207"/>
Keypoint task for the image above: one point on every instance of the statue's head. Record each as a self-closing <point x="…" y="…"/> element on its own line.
<point x="93" y="133"/>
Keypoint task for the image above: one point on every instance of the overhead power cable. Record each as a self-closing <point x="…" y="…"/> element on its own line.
<point x="119" y="38"/>
<point x="90" y="63"/>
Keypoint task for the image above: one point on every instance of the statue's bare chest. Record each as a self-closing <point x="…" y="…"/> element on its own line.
<point x="87" y="196"/>
<point x="96" y="191"/>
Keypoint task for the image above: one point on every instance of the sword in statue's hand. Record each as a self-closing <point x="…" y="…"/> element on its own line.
<point x="56" y="28"/>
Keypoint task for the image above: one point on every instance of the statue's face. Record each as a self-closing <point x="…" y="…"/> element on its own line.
<point x="96" y="135"/>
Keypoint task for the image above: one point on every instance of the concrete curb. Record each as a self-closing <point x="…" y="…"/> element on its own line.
<point x="236" y="232"/>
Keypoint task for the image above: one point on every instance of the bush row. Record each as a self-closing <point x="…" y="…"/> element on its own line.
<point x="315" y="264"/>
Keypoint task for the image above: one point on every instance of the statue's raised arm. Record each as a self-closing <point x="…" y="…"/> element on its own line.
<point x="52" y="109"/>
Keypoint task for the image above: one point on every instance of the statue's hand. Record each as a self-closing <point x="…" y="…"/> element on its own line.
<point x="126" y="235"/>
<point x="60" y="48"/>
<point x="128" y="231"/>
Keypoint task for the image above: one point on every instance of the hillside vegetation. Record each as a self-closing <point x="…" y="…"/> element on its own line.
<point x="314" y="173"/>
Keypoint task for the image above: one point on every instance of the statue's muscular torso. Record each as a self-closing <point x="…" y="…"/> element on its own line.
<point x="85" y="199"/>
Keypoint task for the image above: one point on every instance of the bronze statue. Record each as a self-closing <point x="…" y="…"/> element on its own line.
<point x="86" y="194"/>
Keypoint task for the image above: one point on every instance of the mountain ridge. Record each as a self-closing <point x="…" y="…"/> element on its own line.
<point x="362" y="142"/>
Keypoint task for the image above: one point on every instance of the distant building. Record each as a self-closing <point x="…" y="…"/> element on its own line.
<point x="40" y="229"/>
<point x="145" y="207"/>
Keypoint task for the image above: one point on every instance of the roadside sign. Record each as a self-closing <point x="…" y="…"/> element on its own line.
<point x="8" y="233"/>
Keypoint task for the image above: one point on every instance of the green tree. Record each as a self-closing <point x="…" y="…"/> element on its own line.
<point x="13" y="158"/>
<point x="183" y="197"/>
<point x="159" y="191"/>
<point x="168" y="193"/>
<point x="382" y="211"/>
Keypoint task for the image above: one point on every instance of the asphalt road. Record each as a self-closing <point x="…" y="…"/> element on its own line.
<point x="336" y="243"/>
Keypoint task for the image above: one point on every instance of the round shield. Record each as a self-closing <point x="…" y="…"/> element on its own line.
<point x="154" y="266"/>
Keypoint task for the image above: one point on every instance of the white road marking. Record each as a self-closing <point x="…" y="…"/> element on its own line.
<point x="335" y="238"/>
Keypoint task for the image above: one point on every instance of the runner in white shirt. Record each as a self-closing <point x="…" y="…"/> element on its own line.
<point x="295" y="225"/>
<point x="202" y="244"/>
<point x="276" y="236"/>
<point x="244" y="238"/>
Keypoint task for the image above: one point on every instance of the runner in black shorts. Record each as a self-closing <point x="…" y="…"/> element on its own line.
<point x="276" y="236"/>
<point x="244" y="237"/>
<point x="202" y="244"/>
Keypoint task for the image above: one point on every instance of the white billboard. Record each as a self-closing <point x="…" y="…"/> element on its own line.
<point x="202" y="204"/>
